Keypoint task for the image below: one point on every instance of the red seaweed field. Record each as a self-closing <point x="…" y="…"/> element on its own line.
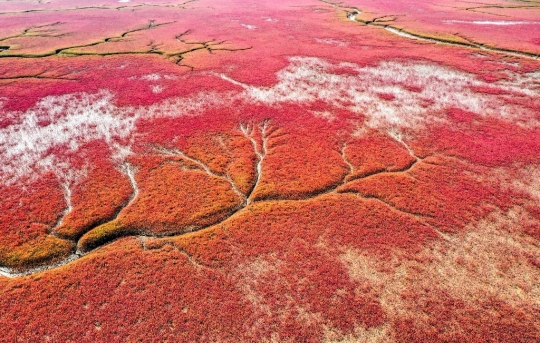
<point x="269" y="171"/>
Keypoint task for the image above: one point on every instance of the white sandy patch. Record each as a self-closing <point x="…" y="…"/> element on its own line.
<point x="528" y="84"/>
<point x="151" y="77"/>
<point x="330" y="41"/>
<point x="156" y="89"/>
<point x="249" y="27"/>
<point x="485" y="262"/>
<point x="401" y="33"/>
<point x="422" y="91"/>
<point x="352" y="15"/>
<point x="329" y="116"/>
<point x="61" y="122"/>
<point x="57" y="125"/>
<point x="154" y="77"/>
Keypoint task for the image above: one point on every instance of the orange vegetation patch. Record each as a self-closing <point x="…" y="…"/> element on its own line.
<point x="99" y="204"/>
<point x="443" y="192"/>
<point x="171" y="201"/>
<point x="345" y="219"/>
<point x="301" y="158"/>
<point x="110" y="298"/>
<point x="27" y="215"/>
<point x="375" y="153"/>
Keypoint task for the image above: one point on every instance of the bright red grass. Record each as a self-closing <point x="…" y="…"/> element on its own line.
<point x="230" y="219"/>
